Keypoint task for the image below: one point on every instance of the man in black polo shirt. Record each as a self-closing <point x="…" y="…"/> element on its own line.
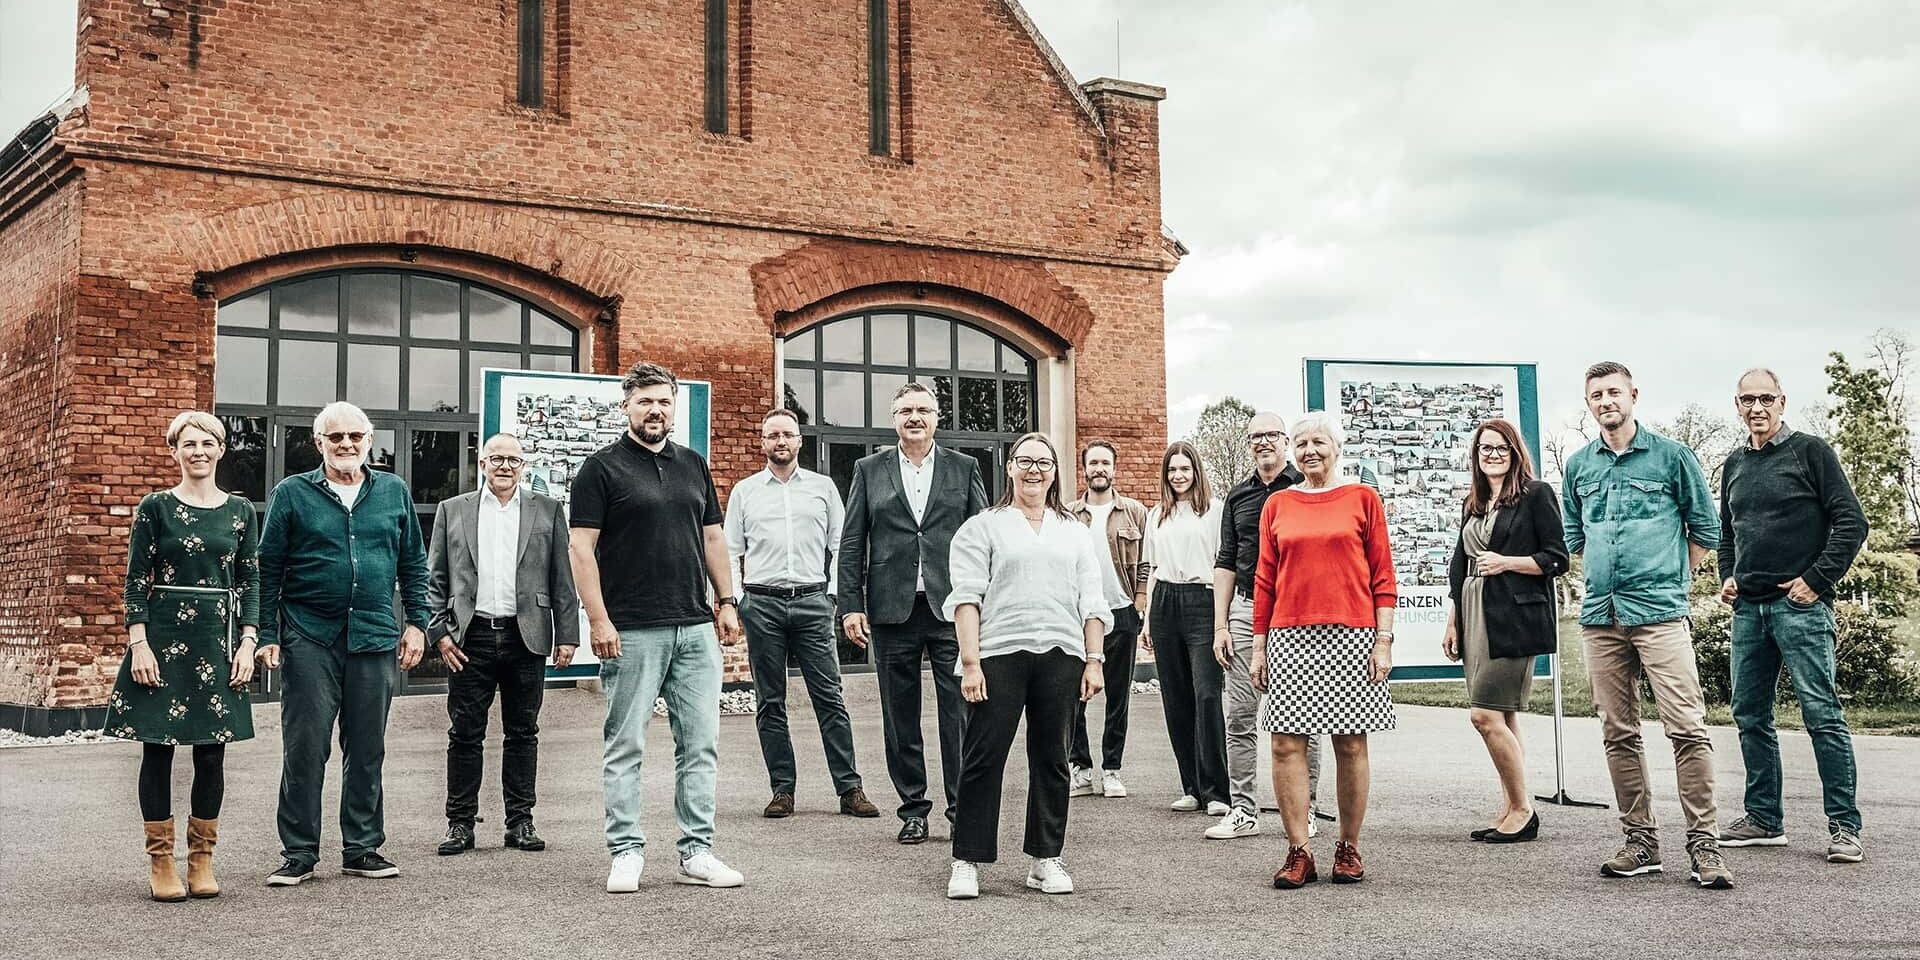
<point x="646" y="542"/>
<point x="1233" y="625"/>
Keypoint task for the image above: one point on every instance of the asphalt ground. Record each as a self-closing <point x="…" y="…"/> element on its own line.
<point x="72" y="874"/>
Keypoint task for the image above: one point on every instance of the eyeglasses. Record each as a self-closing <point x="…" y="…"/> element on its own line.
<point x="1042" y="464"/>
<point x="497" y="460"/>
<point x="1746" y="400"/>
<point x="1266" y="436"/>
<point x="782" y="435"/>
<point x="1495" y="451"/>
<point x="925" y="413"/>
<point x="338" y="435"/>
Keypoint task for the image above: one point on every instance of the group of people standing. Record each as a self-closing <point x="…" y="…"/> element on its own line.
<point x="1270" y="609"/>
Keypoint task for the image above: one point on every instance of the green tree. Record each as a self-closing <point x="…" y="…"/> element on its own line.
<point x="1710" y="438"/>
<point x="1874" y="446"/>
<point x="1221" y="437"/>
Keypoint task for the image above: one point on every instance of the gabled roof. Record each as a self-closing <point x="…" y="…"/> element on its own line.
<point x="1054" y="62"/>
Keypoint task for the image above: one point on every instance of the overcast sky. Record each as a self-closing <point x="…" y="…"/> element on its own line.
<point x="1690" y="188"/>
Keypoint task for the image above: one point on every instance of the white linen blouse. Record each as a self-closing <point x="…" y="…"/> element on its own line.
<point x="1036" y="589"/>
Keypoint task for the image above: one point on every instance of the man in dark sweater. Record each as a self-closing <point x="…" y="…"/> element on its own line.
<point x="1790" y="526"/>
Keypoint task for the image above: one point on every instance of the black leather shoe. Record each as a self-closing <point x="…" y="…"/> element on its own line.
<point x="520" y="836"/>
<point x="914" y="830"/>
<point x="1529" y="832"/>
<point x="370" y="865"/>
<point x="1480" y="834"/>
<point x="459" y="839"/>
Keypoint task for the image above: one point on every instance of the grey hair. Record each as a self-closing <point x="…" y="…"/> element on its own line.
<point x="340" y="410"/>
<point x="1777" y="385"/>
<point x="1269" y="413"/>
<point x="1320" y="421"/>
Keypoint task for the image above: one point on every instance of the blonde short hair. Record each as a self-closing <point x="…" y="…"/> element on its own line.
<point x="199" y="420"/>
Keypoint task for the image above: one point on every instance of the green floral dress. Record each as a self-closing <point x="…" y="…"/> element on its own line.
<point x="176" y="544"/>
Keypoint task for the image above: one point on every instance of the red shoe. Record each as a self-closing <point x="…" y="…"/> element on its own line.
<point x="1297" y="872"/>
<point x="1346" y="863"/>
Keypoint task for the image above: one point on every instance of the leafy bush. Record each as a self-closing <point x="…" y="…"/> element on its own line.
<point x="1870" y="665"/>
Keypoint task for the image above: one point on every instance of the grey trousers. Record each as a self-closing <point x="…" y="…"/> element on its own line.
<point x="1243" y="715"/>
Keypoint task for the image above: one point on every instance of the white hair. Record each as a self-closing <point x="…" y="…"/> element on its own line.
<point x="1777" y="385"/>
<point x="342" y="412"/>
<point x="1320" y="421"/>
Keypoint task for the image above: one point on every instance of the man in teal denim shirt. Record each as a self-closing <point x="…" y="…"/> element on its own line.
<point x="1637" y="507"/>
<point x="336" y="543"/>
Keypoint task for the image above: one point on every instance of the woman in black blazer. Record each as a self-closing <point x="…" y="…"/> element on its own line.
<point x="1501" y="581"/>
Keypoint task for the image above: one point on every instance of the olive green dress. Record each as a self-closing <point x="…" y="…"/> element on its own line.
<point x="175" y="544"/>
<point x="1493" y="683"/>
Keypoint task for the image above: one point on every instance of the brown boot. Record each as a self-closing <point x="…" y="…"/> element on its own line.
<point x="164" y="881"/>
<point x="201" y="836"/>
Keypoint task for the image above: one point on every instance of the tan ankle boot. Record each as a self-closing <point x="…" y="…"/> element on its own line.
<point x="201" y="836"/>
<point x="164" y="880"/>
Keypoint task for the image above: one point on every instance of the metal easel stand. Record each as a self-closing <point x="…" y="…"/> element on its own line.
<point x="1559" y="795"/>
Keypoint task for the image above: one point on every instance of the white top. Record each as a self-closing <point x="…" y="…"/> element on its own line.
<point x="497" y="554"/>
<point x="1035" y="590"/>
<point x="347" y="492"/>
<point x="786" y="531"/>
<point x="1182" y="550"/>
<point x="1109" y="580"/>
<point x="918" y="483"/>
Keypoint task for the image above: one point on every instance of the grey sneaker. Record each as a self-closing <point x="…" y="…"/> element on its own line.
<point x="1744" y="832"/>
<point x="1843" y="845"/>
<point x="1710" y="869"/>
<point x="1636" y="857"/>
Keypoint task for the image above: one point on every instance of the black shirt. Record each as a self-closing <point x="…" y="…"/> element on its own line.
<point x="1786" y="511"/>
<point x="1240" y="525"/>
<point x="652" y="511"/>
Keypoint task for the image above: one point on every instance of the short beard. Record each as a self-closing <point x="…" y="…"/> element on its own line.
<point x="780" y="458"/>
<point x="1099" y="484"/>
<point x="655" y="431"/>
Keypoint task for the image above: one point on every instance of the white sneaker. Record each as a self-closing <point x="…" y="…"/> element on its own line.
<point x="624" y="877"/>
<point x="964" y="882"/>
<point x="1313" y="826"/>
<point x="1081" y="784"/>
<point x="1187" y="803"/>
<point x="1110" y="785"/>
<point x="1236" y="824"/>
<point x="1049" y="875"/>
<point x="1217" y="809"/>
<point x="706" y="870"/>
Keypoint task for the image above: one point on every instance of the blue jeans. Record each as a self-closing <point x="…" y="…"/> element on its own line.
<point x="1767" y="636"/>
<point x="681" y="664"/>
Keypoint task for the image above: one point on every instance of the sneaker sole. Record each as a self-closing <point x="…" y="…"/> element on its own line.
<point x="697" y="882"/>
<point x="1779" y="841"/>
<point x="624" y="889"/>
<point x="1033" y="884"/>
<point x="372" y="874"/>
<point x="962" y="895"/>
<point x="1279" y="884"/>
<point x="1635" y="872"/>
<point x="1080" y="792"/>
<point x="1845" y="857"/>
<point x="1115" y="794"/>
<point x="278" y="881"/>
<point x="1348" y="877"/>
<point x="1717" y="883"/>
<point x="1237" y="834"/>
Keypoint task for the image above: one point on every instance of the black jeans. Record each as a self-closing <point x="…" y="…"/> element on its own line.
<point x="898" y="649"/>
<point x="1122" y="643"/>
<point x="1046" y="688"/>
<point x="801" y="631"/>
<point x="496" y="660"/>
<point x="325" y="685"/>
<point x="1191" y="684"/>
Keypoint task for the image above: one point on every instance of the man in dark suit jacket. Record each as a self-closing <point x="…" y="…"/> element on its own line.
<point x="501" y="592"/>
<point x="902" y="512"/>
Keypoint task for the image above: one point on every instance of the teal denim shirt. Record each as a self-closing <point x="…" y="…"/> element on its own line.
<point x="1632" y="515"/>
<point x="323" y="568"/>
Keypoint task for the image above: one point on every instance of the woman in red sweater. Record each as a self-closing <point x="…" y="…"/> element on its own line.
<point x="1323" y="599"/>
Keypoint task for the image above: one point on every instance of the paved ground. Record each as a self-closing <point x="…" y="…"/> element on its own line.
<point x="72" y="877"/>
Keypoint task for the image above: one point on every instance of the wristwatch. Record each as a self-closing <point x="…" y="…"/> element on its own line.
<point x="727" y="601"/>
<point x="1097" y="657"/>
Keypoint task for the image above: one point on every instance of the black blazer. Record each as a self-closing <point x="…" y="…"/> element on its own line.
<point x="1521" y="621"/>
<point x="882" y="549"/>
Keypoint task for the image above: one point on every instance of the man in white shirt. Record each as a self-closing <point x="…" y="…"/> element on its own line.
<point x="1117" y="525"/>
<point x="783" y="525"/>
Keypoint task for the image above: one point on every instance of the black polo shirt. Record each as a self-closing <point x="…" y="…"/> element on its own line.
<point x="1240" y="525"/>
<point x="651" y="510"/>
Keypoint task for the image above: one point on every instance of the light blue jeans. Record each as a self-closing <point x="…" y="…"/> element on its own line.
<point x="681" y="664"/>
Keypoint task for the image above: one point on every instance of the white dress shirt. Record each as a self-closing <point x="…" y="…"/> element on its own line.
<point x="1035" y="590"/>
<point x="497" y="554"/>
<point x="1182" y="550"/>
<point x="786" y="531"/>
<point x="1109" y="580"/>
<point x="918" y="483"/>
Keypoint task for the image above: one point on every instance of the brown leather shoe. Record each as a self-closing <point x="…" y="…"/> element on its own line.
<point x="1297" y="872"/>
<point x="1346" y="863"/>
<point x="201" y="836"/>
<point x="854" y="803"/>
<point x="163" y="875"/>
<point x="779" y="807"/>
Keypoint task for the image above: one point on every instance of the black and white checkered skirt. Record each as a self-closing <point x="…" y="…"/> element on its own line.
<point x="1317" y="682"/>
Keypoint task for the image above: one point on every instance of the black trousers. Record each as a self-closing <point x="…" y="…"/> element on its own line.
<point x="1191" y="685"/>
<point x="1046" y="688"/>
<point x="497" y="660"/>
<point x="800" y="631"/>
<point x="1123" y="642"/>
<point x="898" y="649"/>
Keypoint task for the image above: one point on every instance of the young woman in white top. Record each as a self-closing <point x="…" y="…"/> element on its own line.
<point x="1183" y="538"/>
<point x="1031" y="618"/>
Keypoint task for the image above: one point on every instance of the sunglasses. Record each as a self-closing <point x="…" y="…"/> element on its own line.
<point x="339" y="435"/>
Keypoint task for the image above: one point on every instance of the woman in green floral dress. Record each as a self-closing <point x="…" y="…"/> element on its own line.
<point x="193" y="603"/>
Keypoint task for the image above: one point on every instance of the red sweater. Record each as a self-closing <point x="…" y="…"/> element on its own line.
<point x="1324" y="559"/>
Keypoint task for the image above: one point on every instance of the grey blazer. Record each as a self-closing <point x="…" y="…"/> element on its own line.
<point x="547" y="608"/>
<point x="882" y="548"/>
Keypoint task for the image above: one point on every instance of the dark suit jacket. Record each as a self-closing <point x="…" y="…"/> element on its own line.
<point x="545" y="605"/>
<point x="881" y="548"/>
<point x="1520" y="607"/>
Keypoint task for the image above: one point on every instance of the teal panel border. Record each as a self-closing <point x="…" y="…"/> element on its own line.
<point x="1542" y="667"/>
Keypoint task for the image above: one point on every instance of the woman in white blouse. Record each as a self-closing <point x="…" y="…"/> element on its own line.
<point x="1031" y="618"/>
<point x="1183" y="538"/>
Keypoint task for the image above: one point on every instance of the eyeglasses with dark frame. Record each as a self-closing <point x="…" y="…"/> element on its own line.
<point x="1746" y="400"/>
<point x="339" y="435"/>
<point x="1495" y="451"/>
<point x="1267" y="436"/>
<point x="503" y="460"/>
<point x="1042" y="464"/>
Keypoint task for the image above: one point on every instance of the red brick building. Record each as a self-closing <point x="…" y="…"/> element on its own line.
<point x="257" y="206"/>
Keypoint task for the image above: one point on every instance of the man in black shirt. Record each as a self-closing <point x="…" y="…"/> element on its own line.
<point x="1790" y="526"/>
<point x="1233" y="624"/>
<point x="646" y="542"/>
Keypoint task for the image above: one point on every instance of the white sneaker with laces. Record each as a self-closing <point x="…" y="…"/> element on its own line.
<point x="964" y="882"/>
<point x="704" y="869"/>
<point x="1049" y="875"/>
<point x="1187" y="803"/>
<point x="1217" y="809"/>
<point x="624" y="877"/>
<point x="1110" y="785"/>
<point x="1081" y="782"/>
<point x="1236" y="824"/>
